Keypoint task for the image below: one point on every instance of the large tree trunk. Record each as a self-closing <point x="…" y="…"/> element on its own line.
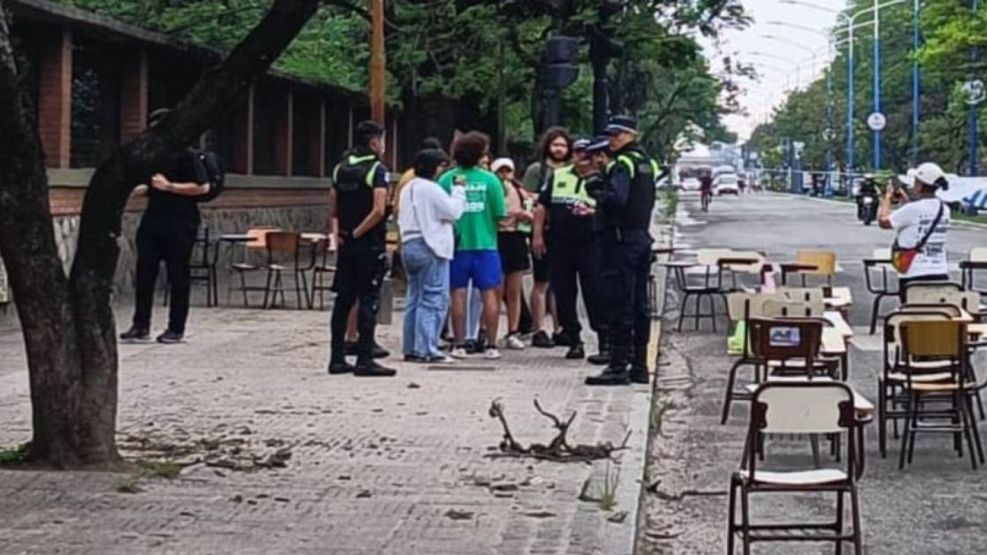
<point x="68" y="325"/>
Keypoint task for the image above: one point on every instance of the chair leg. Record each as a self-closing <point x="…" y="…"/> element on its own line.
<point x="685" y="302"/>
<point x="882" y="422"/>
<point x="728" y="398"/>
<point x="858" y="540"/>
<point x="298" y="291"/>
<point x="913" y="432"/>
<point x="731" y="516"/>
<point x="875" y="310"/>
<point x="243" y="288"/>
<point x="267" y="288"/>
<point x="969" y="426"/>
<point x="839" y="521"/>
<point x="695" y="316"/>
<point x="975" y="431"/>
<point x="745" y="520"/>
<point x="980" y="405"/>
<point x="907" y="431"/>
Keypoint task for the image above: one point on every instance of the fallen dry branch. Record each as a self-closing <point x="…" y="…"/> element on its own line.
<point x="558" y="449"/>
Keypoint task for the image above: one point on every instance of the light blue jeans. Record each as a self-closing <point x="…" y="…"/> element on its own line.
<point x="426" y="298"/>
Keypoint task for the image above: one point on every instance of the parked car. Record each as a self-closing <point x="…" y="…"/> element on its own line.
<point x="690" y="184"/>
<point x="726" y="184"/>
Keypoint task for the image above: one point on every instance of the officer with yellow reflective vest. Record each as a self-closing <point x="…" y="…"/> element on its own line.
<point x="358" y="199"/>
<point x="565" y="201"/>
<point x="625" y="201"/>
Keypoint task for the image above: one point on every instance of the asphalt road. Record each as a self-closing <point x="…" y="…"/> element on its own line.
<point x="937" y="505"/>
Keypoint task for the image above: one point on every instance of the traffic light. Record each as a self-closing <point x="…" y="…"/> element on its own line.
<point x="561" y="54"/>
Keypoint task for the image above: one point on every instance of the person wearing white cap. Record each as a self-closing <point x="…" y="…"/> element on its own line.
<point x="512" y="242"/>
<point x="921" y="227"/>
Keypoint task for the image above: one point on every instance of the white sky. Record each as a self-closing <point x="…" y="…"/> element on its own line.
<point x="782" y="55"/>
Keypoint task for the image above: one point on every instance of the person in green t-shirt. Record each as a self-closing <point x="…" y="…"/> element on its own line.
<point x="477" y="258"/>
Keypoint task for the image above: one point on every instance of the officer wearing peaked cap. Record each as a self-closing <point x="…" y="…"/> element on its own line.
<point x="625" y="201"/>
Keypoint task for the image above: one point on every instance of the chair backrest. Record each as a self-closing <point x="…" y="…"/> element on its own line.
<point x="792" y="309"/>
<point x="824" y="261"/>
<point x="259" y="236"/>
<point x="944" y="339"/>
<point x="804" y="294"/>
<point x="800" y="408"/>
<point x="931" y="292"/>
<point x="893" y="352"/>
<point x="978" y="254"/>
<point x="783" y="340"/>
<point x="283" y="245"/>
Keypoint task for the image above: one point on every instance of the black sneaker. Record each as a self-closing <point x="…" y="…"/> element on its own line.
<point x="600" y="359"/>
<point x="610" y="376"/>
<point x="639" y="375"/>
<point x="542" y="340"/>
<point x="135" y="334"/>
<point x="561" y="339"/>
<point x="379" y="352"/>
<point x="576" y="352"/>
<point x="341" y="367"/>
<point x="374" y="370"/>
<point x="413" y="358"/>
<point x="351" y="349"/>
<point x="169" y="338"/>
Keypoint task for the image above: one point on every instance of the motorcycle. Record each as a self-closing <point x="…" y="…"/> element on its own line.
<point x="867" y="208"/>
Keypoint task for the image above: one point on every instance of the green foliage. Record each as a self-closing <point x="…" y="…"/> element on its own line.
<point x="13" y="456"/>
<point x="951" y="30"/>
<point x="484" y="52"/>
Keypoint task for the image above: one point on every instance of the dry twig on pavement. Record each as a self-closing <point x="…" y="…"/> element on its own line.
<point x="558" y="449"/>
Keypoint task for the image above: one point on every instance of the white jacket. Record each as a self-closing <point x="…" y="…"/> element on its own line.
<point x="426" y="211"/>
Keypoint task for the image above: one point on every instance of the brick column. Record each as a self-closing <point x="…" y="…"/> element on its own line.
<point x="55" y="99"/>
<point x="283" y="122"/>
<point x="243" y="138"/>
<point x="133" y="96"/>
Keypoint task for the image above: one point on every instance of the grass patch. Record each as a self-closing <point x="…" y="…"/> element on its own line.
<point x="130" y="484"/>
<point x="13" y="456"/>
<point x="607" y="495"/>
<point x="159" y="469"/>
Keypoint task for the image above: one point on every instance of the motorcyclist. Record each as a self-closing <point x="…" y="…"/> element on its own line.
<point x="868" y="188"/>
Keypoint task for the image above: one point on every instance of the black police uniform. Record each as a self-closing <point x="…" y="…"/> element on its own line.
<point x="361" y="262"/>
<point x="572" y="244"/>
<point x="167" y="232"/>
<point x="625" y="204"/>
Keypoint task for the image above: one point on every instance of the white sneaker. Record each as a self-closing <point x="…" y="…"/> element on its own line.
<point x="491" y="353"/>
<point x="514" y="342"/>
<point x="459" y="352"/>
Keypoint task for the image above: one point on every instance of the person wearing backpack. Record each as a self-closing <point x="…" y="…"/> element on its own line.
<point x="921" y="227"/>
<point x="167" y="231"/>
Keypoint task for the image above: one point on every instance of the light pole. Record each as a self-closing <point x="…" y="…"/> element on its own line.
<point x="916" y="76"/>
<point x="972" y="116"/>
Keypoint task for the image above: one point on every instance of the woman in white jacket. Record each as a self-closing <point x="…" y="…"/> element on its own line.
<point x="425" y="217"/>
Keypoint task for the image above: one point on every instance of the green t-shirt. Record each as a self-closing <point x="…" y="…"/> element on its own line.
<point x="476" y="230"/>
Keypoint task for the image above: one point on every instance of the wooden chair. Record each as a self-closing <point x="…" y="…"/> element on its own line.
<point x="938" y="341"/>
<point x="879" y="264"/>
<point x="824" y="263"/>
<point x="976" y="261"/>
<point x="325" y="264"/>
<point x="797" y="409"/>
<point x="284" y="256"/>
<point x="247" y="266"/>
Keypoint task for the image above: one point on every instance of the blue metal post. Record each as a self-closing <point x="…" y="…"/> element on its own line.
<point x="916" y="85"/>
<point x="877" y="84"/>
<point x="972" y="118"/>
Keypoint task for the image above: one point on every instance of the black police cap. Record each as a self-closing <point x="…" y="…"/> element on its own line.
<point x="621" y="124"/>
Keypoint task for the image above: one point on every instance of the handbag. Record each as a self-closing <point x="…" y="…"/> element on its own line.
<point x="902" y="258"/>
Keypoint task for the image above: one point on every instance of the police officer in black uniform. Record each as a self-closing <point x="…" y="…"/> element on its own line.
<point x="565" y="201"/>
<point x="625" y="202"/>
<point x="359" y="201"/>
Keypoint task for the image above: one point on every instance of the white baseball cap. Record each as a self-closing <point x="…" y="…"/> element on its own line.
<point x="930" y="174"/>
<point x="502" y="163"/>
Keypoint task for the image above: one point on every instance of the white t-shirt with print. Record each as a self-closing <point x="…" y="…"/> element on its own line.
<point x="911" y="223"/>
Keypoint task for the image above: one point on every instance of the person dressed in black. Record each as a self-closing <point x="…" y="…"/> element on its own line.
<point x="625" y="201"/>
<point x="359" y="201"/>
<point x="565" y="201"/>
<point x="167" y="232"/>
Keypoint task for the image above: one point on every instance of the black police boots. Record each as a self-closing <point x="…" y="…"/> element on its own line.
<point x="370" y="369"/>
<point x="639" y="365"/>
<point x="576" y="351"/>
<point x="616" y="372"/>
<point x="602" y="358"/>
<point x="338" y="365"/>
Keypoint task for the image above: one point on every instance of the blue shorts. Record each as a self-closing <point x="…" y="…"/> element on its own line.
<point x="480" y="267"/>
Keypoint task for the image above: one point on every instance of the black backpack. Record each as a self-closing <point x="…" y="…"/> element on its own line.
<point x="212" y="169"/>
